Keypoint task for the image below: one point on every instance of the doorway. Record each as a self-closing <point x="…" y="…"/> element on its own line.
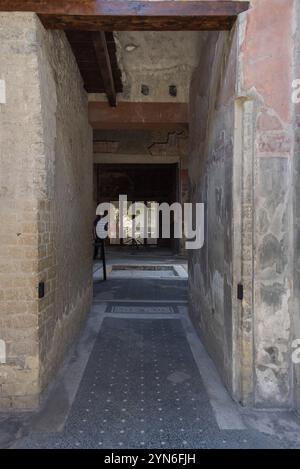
<point x="148" y="184"/>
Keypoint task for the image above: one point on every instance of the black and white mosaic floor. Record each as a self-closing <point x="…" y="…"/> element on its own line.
<point x="141" y="386"/>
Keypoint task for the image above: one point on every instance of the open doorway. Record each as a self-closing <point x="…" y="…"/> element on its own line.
<point x="148" y="184"/>
<point x="147" y="251"/>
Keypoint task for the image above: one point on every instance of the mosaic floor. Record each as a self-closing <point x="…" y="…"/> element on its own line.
<point x="142" y="388"/>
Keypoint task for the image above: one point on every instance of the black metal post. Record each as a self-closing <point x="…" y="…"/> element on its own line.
<point x="103" y="259"/>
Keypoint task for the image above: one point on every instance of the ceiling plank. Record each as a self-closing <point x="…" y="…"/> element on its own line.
<point x="104" y="63"/>
<point x="85" y="54"/>
<point x="122" y="15"/>
<point x="130" y="115"/>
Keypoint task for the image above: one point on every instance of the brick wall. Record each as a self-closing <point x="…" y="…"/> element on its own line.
<point x="21" y="171"/>
<point x="46" y="206"/>
<point x="65" y="212"/>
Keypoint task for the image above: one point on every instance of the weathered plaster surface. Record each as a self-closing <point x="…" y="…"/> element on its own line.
<point x="296" y="168"/>
<point x="210" y="173"/>
<point x="266" y="61"/>
<point x="156" y="59"/>
<point x="261" y="89"/>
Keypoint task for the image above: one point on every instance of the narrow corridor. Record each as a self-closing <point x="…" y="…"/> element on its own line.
<point x="140" y="378"/>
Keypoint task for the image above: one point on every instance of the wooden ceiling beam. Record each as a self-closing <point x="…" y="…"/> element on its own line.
<point x="103" y="58"/>
<point x="134" y="15"/>
<point x="130" y="115"/>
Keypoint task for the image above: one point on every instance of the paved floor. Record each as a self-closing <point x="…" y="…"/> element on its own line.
<point x="144" y="391"/>
<point x="139" y="378"/>
<point x="141" y="290"/>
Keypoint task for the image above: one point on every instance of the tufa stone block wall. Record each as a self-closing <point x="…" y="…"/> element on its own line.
<point x="66" y="213"/>
<point x="46" y="203"/>
<point x="21" y="173"/>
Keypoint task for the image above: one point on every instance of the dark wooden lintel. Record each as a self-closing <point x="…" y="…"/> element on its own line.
<point x="122" y="15"/>
<point x="129" y="115"/>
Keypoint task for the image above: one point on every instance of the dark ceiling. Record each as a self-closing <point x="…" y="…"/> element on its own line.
<point x="84" y="51"/>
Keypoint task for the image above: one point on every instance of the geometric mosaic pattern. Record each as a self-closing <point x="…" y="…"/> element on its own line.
<point x="142" y="389"/>
<point x="141" y="309"/>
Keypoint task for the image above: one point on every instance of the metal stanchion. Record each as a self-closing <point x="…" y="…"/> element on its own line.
<point x="103" y="258"/>
<point x="101" y="235"/>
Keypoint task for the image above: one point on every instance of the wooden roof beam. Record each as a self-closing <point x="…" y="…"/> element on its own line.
<point x="133" y="15"/>
<point x="138" y="115"/>
<point x="104" y="63"/>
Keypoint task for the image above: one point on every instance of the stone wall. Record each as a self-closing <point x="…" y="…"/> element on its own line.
<point x="21" y="173"/>
<point x="66" y="210"/>
<point x="46" y="197"/>
<point x="249" y="215"/>
<point x="296" y="167"/>
<point x="265" y="79"/>
<point x="210" y="174"/>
